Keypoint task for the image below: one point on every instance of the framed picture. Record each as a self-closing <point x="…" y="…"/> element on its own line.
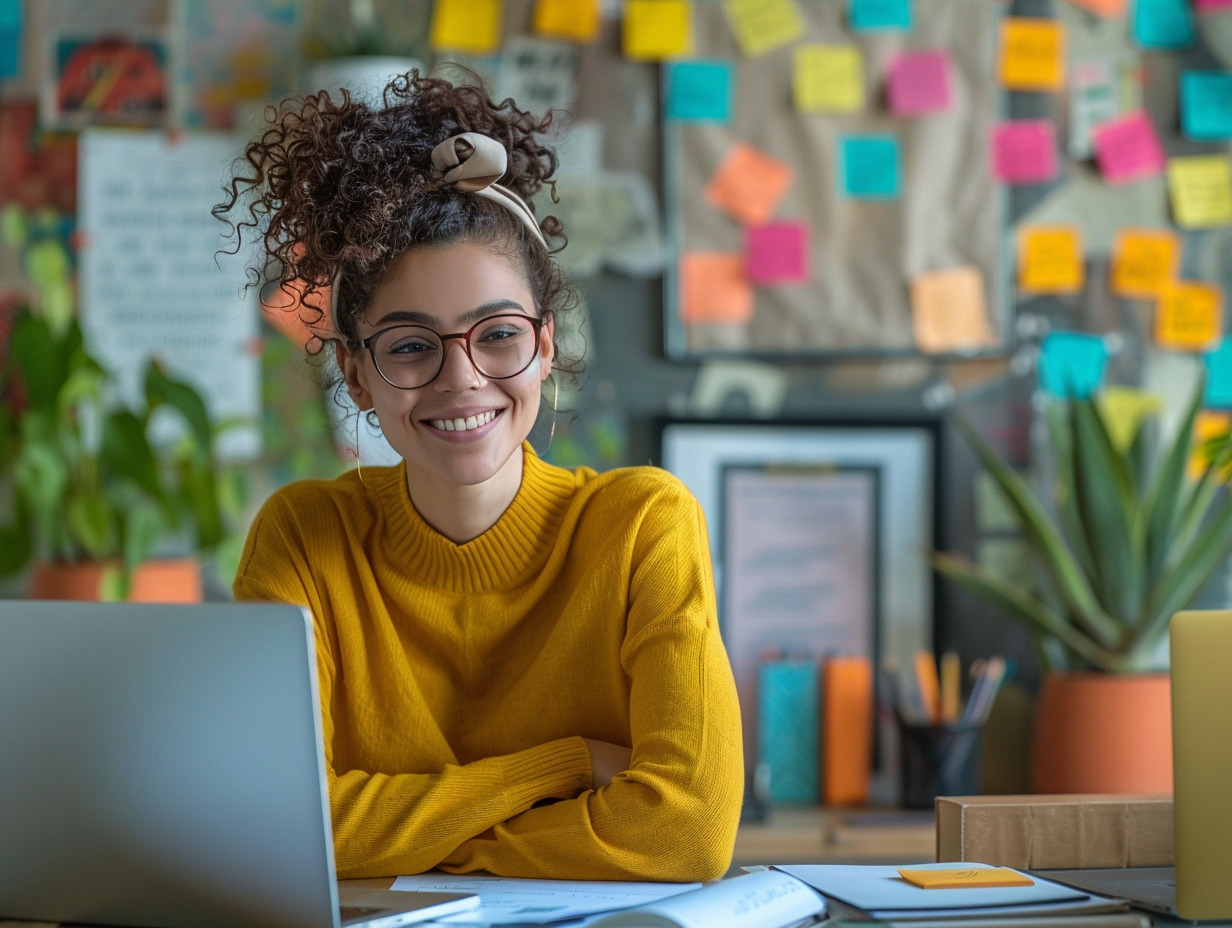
<point x="107" y="79"/>
<point x="820" y="534"/>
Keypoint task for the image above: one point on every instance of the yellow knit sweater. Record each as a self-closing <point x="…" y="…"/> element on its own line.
<point x="457" y="681"/>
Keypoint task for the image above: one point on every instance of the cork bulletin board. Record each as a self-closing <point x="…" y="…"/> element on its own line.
<point x="799" y="264"/>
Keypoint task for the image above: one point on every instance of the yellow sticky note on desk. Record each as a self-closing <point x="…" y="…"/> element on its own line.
<point x="466" y="26"/>
<point x="763" y="25"/>
<point x="828" y="78"/>
<point x="970" y="877"/>
<point x="1050" y="259"/>
<point x="657" y="29"/>
<point x="1201" y="190"/>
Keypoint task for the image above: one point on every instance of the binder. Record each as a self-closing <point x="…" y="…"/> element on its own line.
<point x="847" y="729"/>
<point x="787" y="736"/>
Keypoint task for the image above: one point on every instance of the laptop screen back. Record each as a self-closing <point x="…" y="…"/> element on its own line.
<point x="161" y="766"/>
<point x="1201" y="649"/>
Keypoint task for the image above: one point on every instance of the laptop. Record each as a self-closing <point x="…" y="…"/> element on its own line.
<point x="162" y="765"/>
<point x="1199" y="887"/>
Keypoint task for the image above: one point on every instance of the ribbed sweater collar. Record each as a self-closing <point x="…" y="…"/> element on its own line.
<point x="520" y="540"/>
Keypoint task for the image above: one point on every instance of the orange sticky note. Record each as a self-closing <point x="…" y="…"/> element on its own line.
<point x="949" y="311"/>
<point x="1032" y="54"/>
<point x="657" y="29"/>
<point x="1144" y="261"/>
<point x="573" y="20"/>
<point x="973" y="877"/>
<point x="828" y="78"/>
<point x="1050" y="259"/>
<point x="714" y="289"/>
<point x="471" y="26"/>
<point x="1105" y="8"/>
<point x="748" y="185"/>
<point x="763" y="25"/>
<point x="1189" y="316"/>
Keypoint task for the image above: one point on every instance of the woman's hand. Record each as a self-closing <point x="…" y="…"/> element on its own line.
<point x="606" y="760"/>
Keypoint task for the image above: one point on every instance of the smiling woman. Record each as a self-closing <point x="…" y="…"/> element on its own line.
<point x="520" y="665"/>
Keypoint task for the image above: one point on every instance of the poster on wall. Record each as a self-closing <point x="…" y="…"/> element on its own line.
<point x="154" y="280"/>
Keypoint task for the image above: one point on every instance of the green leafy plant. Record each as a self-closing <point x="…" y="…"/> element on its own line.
<point x="1125" y="539"/>
<point x="81" y="478"/>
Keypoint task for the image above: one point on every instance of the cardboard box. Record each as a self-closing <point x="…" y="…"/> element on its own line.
<point x="1056" y="832"/>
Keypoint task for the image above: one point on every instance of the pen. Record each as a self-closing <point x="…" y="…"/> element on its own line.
<point x="951" y="687"/>
<point x="929" y="686"/>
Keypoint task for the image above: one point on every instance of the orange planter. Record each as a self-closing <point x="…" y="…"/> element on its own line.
<point x="175" y="580"/>
<point x="1103" y="733"/>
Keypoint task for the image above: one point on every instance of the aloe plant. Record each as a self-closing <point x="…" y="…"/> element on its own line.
<point x="80" y="477"/>
<point x="1126" y="540"/>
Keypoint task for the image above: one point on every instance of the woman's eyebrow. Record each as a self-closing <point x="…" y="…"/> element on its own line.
<point x="471" y="315"/>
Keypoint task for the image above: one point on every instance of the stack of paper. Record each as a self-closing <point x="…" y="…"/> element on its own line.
<point x="863" y="894"/>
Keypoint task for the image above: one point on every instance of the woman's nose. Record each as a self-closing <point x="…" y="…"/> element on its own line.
<point x="457" y="371"/>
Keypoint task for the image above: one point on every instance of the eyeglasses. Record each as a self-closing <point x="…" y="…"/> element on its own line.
<point x="411" y="356"/>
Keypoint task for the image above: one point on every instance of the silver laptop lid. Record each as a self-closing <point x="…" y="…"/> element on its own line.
<point x="160" y="765"/>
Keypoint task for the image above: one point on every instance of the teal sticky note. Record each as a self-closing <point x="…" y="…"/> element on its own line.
<point x="1206" y="105"/>
<point x="878" y="15"/>
<point x="10" y="38"/>
<point x="1072" y="364"/>
<point x="869" y="166"/>
<point x="699" y="91"/>
<point x="1163" y="23"/>
<point x="1219" y="375"/>
<point x="788" y="729"/>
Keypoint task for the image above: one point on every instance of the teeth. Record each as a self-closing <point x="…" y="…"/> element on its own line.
<point x="464" y="425"/>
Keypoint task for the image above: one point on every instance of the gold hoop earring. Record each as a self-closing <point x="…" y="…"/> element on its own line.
<point x="554" y="404"/>
<point x="359" y="457"/>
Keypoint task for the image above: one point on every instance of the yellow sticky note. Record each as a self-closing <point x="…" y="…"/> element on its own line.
<point x="1144" y="261"/>
<point x="828" y="78"/>
<point x="1032" y="54"/>
<point x="1189" y="316"/>
<point x="1050" y="259"/>
<point x="974" y="877"/>
<point x="1201" y="190"/>
<point x="657" y="29"/>
<point x="472" y="26"/>
<point x="1207" y="424"/>
<point x="763" y="25"/>
<point x="572" y="20"/>
<point x="748" y="185"/>
<point x="949" y="311"/>
<point x="714" y="289"/>
<point x="1124" y="409"/>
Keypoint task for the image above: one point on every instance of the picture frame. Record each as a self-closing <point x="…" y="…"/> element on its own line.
<point x="890" y="602"/>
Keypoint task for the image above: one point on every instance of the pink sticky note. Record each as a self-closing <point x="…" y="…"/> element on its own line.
<point x="777" y="253"/>
<point x="1210" y="6"/>
<point x="1127" y="148"/>
<point x="919" y="83"/>
<point x="1024" y="151"/>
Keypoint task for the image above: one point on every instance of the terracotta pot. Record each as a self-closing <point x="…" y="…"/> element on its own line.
<point x="1103" y="733"/>
<point x="173" y="580"/>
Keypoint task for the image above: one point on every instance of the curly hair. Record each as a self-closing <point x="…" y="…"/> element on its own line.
<point x="344" y="188"/>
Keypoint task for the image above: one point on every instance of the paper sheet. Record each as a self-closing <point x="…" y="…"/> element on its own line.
<point x="870" y="166"/>
<point x="778" y="253"/>
<point x="504" y="900"/>
<point x="1144" y="261"/>
<point x="1032" y="54"/>
<point x="1024" y="151"/>
<point x="877" y="15"/>
<point x="471" y="26"/>
<point x="748" y="184"/>
<point x="949" y="310"/>
<point x="699" y="91"/>
<point x="1050" y="259"/>
<point x="715" y="288"/>
<point x="1128" y="148"/>
<point x="1163" y="24"/>
<point x="1206" y="105"/>
<point x="572" y="20"/>
<point x="1219" y="375"/>
<point x="919" y="83"/>
<point x="1072" y="363"/>
<point x="1189" y="316"/>
<point x="657" y="29"/>
<point x="828" y="78"/>
<point x="1201" y="190"/>
<point x="764" y="25"/>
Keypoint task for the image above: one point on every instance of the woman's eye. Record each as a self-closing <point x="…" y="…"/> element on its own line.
<point x="411" y="347"/>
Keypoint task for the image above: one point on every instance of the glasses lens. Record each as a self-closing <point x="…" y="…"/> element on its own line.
<point x="408" y="356"/>
<point x="503" y="346"/>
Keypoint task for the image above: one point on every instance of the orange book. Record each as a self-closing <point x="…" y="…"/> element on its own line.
<point x="847" y="729"/>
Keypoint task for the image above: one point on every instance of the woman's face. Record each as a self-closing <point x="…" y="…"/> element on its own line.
<point x="462" y="427"/>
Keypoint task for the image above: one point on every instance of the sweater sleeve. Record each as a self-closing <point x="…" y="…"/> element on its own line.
<point x="404" y="822"/>
<point x="673" y="814"/>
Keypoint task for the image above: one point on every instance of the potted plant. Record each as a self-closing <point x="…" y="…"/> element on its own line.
<point x="87" y="495"/>
<point x="1124" y="538"/>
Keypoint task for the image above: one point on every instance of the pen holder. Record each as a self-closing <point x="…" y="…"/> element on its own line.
<point x="938" y="760"/>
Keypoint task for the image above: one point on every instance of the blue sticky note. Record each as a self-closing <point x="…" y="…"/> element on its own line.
<point x="875" y="15"/>
<point x="869" y="166"/>
<point x="699" y="91"/>
<point x="1163" y="23"/>
<point x="1219" y="376"/>
<point x="1206" y="105"/>
<point x="10" y="38"/>
<point x="1072" y="364"/>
